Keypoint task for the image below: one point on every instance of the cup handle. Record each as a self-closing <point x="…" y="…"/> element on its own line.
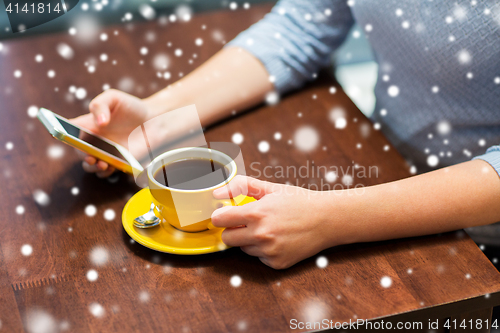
<point x="225" y="202"/>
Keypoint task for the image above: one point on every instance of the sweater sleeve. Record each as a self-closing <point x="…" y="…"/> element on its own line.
<point x="492" y="156"/>
<point x="296" y="39"/>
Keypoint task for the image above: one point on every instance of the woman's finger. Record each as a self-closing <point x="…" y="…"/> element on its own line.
<point x="86" y="121"/>
<point x="105" y="174"/>
<point x="89" y="168"/>
<point x="252" y="250"/>
<point x="249" y="186"/>
<point x="231" y="216"/>
<point x="102" y="166"/>
<point x="237" y="237"/>
<point x="91" y="160"/>
<point x="102" y="105"/>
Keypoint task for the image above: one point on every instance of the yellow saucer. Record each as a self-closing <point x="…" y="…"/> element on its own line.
<point x="166" y="238"/>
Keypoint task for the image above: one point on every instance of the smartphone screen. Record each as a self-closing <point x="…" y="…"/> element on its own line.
<point x="90" y="139"/>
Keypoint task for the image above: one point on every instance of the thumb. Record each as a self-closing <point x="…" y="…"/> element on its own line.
<point x="102" y="105"/>
<point x="85" y="121"/>
<point x="251" y="187"/>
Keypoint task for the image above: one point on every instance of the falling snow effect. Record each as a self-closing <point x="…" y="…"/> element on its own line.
<point x="443" y="127"/>
<point x="347" y="180"/>
<point x="32" y="111"/>
<point x="322" y="262"/>
<point x="55" y="152"/>
<point x="39" y="321"/>
<point x="432" y="161"/>
<point x="65" y="51"/>
<point x="277" y="136"/>
<point x="20" y="210"/>
<point x="337" y="117"/>
<point x="26" y="250"/>
<point x="237" y="138"/>
<point x="306" y="138"/>
<point x="144" y="296"/>
<point x="386" y="282"/>
<point x="263" y="146"/>
<point x="9" y="146"/>
<point x="41" y="197"/>
<point x="331" y="176"/>
<point x="217" y="35"/>
<point x="109" y="214"/>
<point x="242" y="325"/>
<point x="90" y="210"/>
<point x="235" y="281"/>
<point x="314" y="310"/>
<point x="272" y="98"/>
<point x="99" y="256"/>
<point x="147" y="11"/>
<point x="184" y="12"/>
<point x="340" y="123"/>
<point x="80" y="93"/>
<point x="161" y="62"/>
<point x="126" y="84"/>
<point x="97" y="310"/>
<point x="464" y="57"/>
<point x="393" y="91"/>
<point x="92" y="275"/>
<point x="460" y="13"/>
<point x="75" y="190"/>
<point x="85" y="30"/>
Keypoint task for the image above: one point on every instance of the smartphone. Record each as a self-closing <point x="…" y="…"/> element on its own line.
<point x="88" y="142"/>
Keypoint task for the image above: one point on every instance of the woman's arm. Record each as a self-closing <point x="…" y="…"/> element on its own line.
<point x="280" y="52"/>
<point x="455" y="197"/>
<point x="288" y="224"/>
<point x="233" y="79"/>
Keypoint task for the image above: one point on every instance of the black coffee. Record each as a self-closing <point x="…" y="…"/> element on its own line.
<point x="192" y="174"/>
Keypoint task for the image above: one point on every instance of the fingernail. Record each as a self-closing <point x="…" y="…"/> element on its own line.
<point x="101" y="119"/>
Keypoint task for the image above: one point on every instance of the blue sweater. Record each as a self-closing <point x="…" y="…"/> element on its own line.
<point x="438" y="91"/>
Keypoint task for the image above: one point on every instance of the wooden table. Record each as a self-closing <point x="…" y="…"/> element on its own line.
<point x="139" y="289"/>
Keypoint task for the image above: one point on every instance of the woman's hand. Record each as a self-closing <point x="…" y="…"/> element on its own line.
<point x="286" y="225"/>
<point x="113" y="115"/>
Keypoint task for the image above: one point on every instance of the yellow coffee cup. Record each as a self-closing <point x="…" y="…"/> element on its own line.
<point x="188" y="210"/>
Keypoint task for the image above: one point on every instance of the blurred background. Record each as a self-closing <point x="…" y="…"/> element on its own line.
<point x="355" y="68"/>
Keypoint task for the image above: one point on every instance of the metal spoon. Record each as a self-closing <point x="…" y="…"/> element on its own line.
<point x="148" y="220"/>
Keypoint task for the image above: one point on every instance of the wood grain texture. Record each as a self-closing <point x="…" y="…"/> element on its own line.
<point x="140" y="289"/>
